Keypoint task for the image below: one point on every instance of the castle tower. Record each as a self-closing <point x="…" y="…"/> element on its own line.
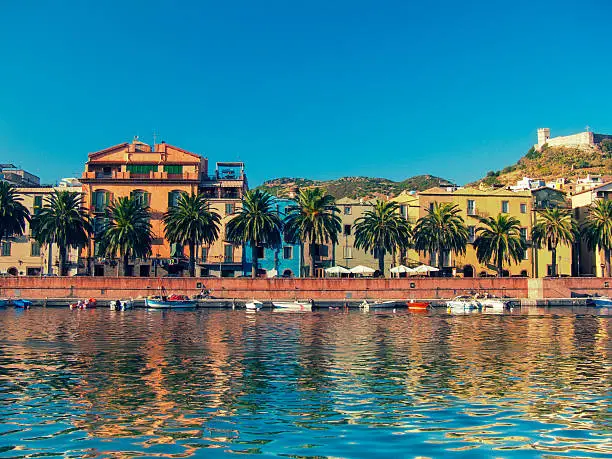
<point x="543" y="136"/>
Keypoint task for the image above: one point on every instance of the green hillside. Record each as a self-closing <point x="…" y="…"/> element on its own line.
<point x="556" y="162"/>
<point x="353" y="187"/>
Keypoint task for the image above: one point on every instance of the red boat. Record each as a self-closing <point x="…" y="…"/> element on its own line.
<point x="418" y="304"/>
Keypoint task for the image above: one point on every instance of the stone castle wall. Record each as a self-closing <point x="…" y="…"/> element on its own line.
<point x="574" y="140"/>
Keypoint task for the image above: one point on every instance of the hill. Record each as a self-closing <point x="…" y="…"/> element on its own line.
<point x="353" y="187"/>
<point x="555" y="162"/>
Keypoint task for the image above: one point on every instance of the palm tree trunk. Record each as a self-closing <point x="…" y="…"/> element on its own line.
<point x="191" y="259"/>
<point x="381" y="262"/>
<point x="254" y="264"/>
<point x="62" y="260"/>
<point x="126" y="260"/>
<point x="607" y="257"/>
<point x="500" y="266"/>
<point x="312" y="259"/>
<point x="554" y="261"/>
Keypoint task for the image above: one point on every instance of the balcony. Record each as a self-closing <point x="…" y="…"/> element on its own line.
<point x="119" y="175"/>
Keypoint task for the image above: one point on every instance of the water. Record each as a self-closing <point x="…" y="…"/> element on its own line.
<point x="185" y="384"/>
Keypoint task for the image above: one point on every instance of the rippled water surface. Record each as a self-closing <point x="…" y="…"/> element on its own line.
<point x="100" y="383"/>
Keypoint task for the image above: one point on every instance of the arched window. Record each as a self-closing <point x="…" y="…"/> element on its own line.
<point x="141" y="196"/>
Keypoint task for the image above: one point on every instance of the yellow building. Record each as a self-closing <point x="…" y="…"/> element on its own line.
<point x="475" y="203"/>
<point x="22" y="256"/>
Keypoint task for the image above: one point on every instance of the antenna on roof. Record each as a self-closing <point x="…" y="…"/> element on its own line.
<point x="155" y="134"/>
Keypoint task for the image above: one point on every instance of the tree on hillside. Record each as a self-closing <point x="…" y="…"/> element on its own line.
<point x="500" y="240"/>
<point x="127" y="231"/>
<point x="62" y="221"/>
<point x="553" y="227"/>
<point x="597" y="230"/>
<point x="441" y="231"/>
<point x="191" y="222"/>
<point x="314" y="220"/>
<point x="257" y="223"/>
<point x="382" y="229"/>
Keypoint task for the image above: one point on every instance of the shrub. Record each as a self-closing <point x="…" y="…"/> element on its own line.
<point x="533" y="154"/>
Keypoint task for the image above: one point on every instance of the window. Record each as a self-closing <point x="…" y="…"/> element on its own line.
<point x="288" y="253"/>
<point x="347" y="210"/>
<point x="524" y="233"/>
<point x="505" y="206"/>
<point x="471" y="234"/>
<point x="176" y="250"/>
<point x="228" y="253"/>
<point x="6" y="249"/>
<point x="229" y="208"/>
<point x="549" y="270"/>
<point x="173" y="169"/>
<point x="173" y="197"/>
<point x="347" y="230"/>
<point x="403" y="211"/>
<point x="142" y="169"/>
<point x="260" y="252"/>
<point x="348" y="252"/>
<point x="204" y="253"/>
<point x="141" y="196"/>
<point x="471" y="207"/>
<point x="321" y="250"/>
<point x="38" y="203"/>
<point x="35" y="249"/>
<point x="431" y="206"/>
<point x="523" y="208"/>
<point x="100" y="200"/>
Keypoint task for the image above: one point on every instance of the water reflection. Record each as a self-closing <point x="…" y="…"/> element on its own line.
<point x="185" y="384"/>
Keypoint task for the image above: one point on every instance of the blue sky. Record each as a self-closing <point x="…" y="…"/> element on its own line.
<point x="317" y="89"/>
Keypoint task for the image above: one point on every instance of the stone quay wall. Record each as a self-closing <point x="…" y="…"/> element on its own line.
<point x="318" y="289"/>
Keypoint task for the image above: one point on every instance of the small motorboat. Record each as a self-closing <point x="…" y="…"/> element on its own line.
<point x="254" y="305"/>
<point x="601" y="301"/>
<point x="121" y="305"/>
<point x="420" y="305"/>
<point x="378" y="304"/>
<point x="4" y="302"/>
<point x="293" y="305"/>
<point x="21" y="303"/>
<point x="170" y="302"/>
<point x="90" y="303"/>
<point x="462" y="303"/>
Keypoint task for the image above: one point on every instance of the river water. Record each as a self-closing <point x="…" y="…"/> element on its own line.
<point x="99" y="383"/>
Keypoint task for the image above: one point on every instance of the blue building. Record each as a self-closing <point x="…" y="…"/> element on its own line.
<point x="286" y="259"/>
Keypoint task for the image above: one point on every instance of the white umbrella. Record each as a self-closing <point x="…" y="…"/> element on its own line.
<point x="424" y="269"/>
<point x="337" y="270"/>
<point x="271" y="273"/>
<point x="360" y="269"/>
<point x="401" y="269"/>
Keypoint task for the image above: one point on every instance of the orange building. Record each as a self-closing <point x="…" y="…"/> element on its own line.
<point x="156" y="176"/>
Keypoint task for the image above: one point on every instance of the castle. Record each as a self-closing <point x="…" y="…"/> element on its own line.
<point x="582" y="140"/>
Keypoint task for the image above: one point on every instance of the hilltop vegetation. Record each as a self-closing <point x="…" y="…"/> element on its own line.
<point x="353" y="187"/>
<point x="555" y="162"/>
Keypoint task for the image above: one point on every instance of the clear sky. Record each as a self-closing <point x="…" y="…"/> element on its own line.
<point x="317" y="89"/>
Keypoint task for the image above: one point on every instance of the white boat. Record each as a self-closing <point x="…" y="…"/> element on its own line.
<point x="378" y="304"/>
<point x="171" y="302"/>
<point x="121" y="305"/>
<point x="293" y="305"/>
<point x="601" y="301"/>
<point x="254" y="305"/>
<point x="462" y="303"/>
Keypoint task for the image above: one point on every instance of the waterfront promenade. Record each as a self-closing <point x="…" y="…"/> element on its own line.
<point x="318" y="289"/>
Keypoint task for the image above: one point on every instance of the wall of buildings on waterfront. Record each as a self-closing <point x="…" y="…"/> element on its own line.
<point x="318" y="289"/>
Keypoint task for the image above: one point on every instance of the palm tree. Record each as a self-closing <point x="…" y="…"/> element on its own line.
<point x="313" y="221"/>
<point x="597" y="230"/>
<point x="257" y="223"/>
<point x="554" y="226"/>
<point x="13" y="214"/>
<point x="382" y="229"/>
<point x="62" y="221"/>
<point x="127" y="231"/>
<point x="499" y="239"/>
<point x="191" y="222"/>
<point x="441" y="230"/>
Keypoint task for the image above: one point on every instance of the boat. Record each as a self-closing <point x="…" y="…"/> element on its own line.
<point x="90" y="303"/>
<point x="170" y="302"/>
<point x="492" y="303"/>
<point x="378" y="304"/>
<point x="4" y="302"/>
<point x="254" y="305"/>
<point x="21" y="303"/>
<point x="412" y="304"/>
<point x="462" y="303"/>
<point x="293" y="305"/>
<point x="601" y="301"/>
<point x="121" y="305"/>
